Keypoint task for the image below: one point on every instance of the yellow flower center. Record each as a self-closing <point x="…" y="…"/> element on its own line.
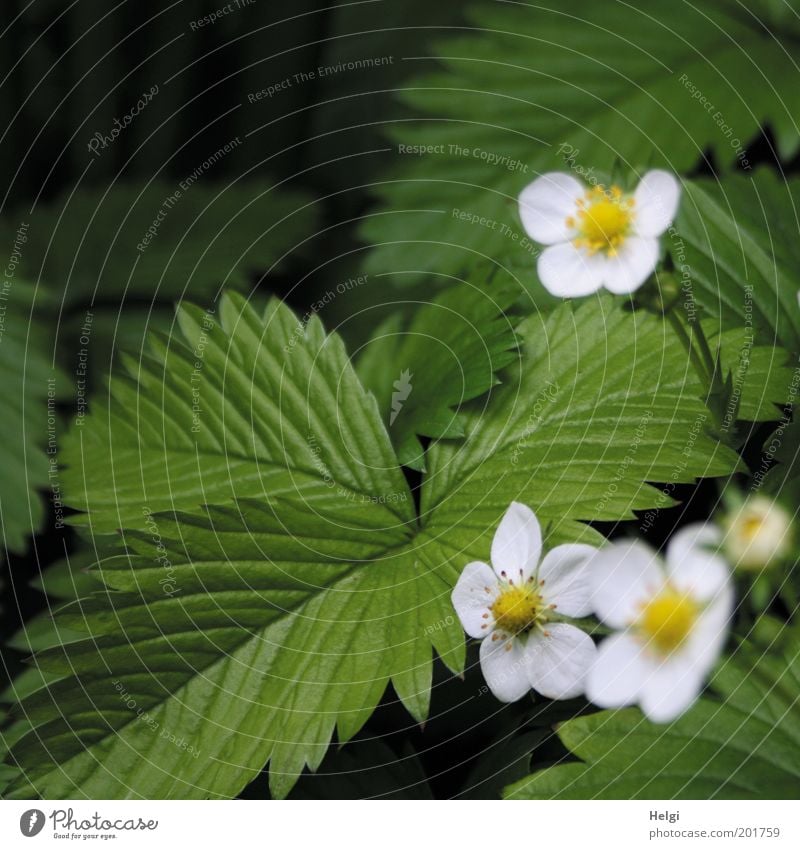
<point x="667" y="620"/>
<point x="751" y="527"/>
<point x="759" y="533"/>
<point x="603" y="220"/>
<point x="518" y="609"/>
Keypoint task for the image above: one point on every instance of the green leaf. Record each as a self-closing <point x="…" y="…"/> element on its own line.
<point x="251" y="629"/>
<point x="446" y="355"/>
<point x="32" y="424"/>
<point x="277" y="577"/>
<point x="162" y="241"/>
<point x="538" y="87"/>
<point x="215" y="417"/>
<point x="746" y="746"/>
<point x="738" y="245"/>
<point x="761" y="379"/>
<point x="69" y="578"/>
<point x="605" y="401"/>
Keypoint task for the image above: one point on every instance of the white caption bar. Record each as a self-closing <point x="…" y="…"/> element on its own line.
<point x="400" y="825"/>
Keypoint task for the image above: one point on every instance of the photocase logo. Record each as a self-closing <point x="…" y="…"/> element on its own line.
<point x="31" y="822"/>
<point x="402" y="391"/>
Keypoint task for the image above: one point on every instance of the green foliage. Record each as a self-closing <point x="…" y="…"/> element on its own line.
<point x="605" y="401"/>
<point x="33" y="388"/>
<point x="276" y="616"/>
<point x="159" y="241"/>
<point x="760" y="377"/>
<point x="69" y="578"/>
<point x="747" y="746"/>
<point x="446" y="355"/>
<point x="276" y="576"/>
<point x="738" y="243"/>
<point x="540" y="87"/>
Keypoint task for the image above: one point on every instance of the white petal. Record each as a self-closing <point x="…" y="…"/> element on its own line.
<point x="558" y="661"/>
<point x="693" y="564"/>
<point x="669" y="689"/>
<point x="566" y="579"/>
<point x="503" y="667"/>
<point x="617" y="674"/>
<point x="570" y="272"/>
<point x="624" y="576"/>
<point x="656" y="197"/>
<point x="517" y="544"/>
<point x="472" y="597"/>
<point x="631" y="266"/>
<point x="710" y="632"/>
<point x="546" y="203"/>
<point x="676" y="682"/>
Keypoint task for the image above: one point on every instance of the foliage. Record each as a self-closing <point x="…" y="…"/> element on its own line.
<point x="593" y="88"/>
<point x="746" y="746"/>
<point x="162" y="241"/>
<point x="268" y="527"/>
<point x="266" y="515"/>
<point x="446" y="355"/>
<point x="33" y="387"/>
<point x="738" y="244"/>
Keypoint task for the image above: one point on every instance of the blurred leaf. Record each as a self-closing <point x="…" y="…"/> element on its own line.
<point x="738" y="243"/>
<point x="505" y="761"/>
<point x="448" y="353"/>
<point x="745" y="747"/>
<point x="364" y="60"/>
<point x="539" y="87"/>
<point x="161" y="241"/>
<point x="34" y="387"/>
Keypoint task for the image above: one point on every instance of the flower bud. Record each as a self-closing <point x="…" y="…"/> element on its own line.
<point x="758" y="533"/>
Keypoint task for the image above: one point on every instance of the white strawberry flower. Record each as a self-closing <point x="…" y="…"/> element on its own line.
<point x="511" y="606"/>
<point x="598" y="237"/>
<point x="672" y="617"/>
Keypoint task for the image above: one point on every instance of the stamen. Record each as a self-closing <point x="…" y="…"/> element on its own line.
<point x="518" y="608"/>
<point x="667" y="620"/>
<point x="603" y="220"/>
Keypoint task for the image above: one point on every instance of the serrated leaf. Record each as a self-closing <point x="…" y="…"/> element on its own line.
<point x="69" y="578"/>
<point x="276" y="576"/>
<point x="759" y="375"/>
<point x="605" y="402"/>
<point x="541" y="87"/>
<point x="200" y="433"/>
<point x="255" y="627"/>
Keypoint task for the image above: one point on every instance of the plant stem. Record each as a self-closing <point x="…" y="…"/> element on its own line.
<point x="705" y="350"/>
<point x="681" y="332"/>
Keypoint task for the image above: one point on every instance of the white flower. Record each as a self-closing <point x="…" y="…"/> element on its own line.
<point x="598" y="237"/>
<point x="673" y="618"/>
<point x="758" y="534"/>
<point x="510" y="607"/>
